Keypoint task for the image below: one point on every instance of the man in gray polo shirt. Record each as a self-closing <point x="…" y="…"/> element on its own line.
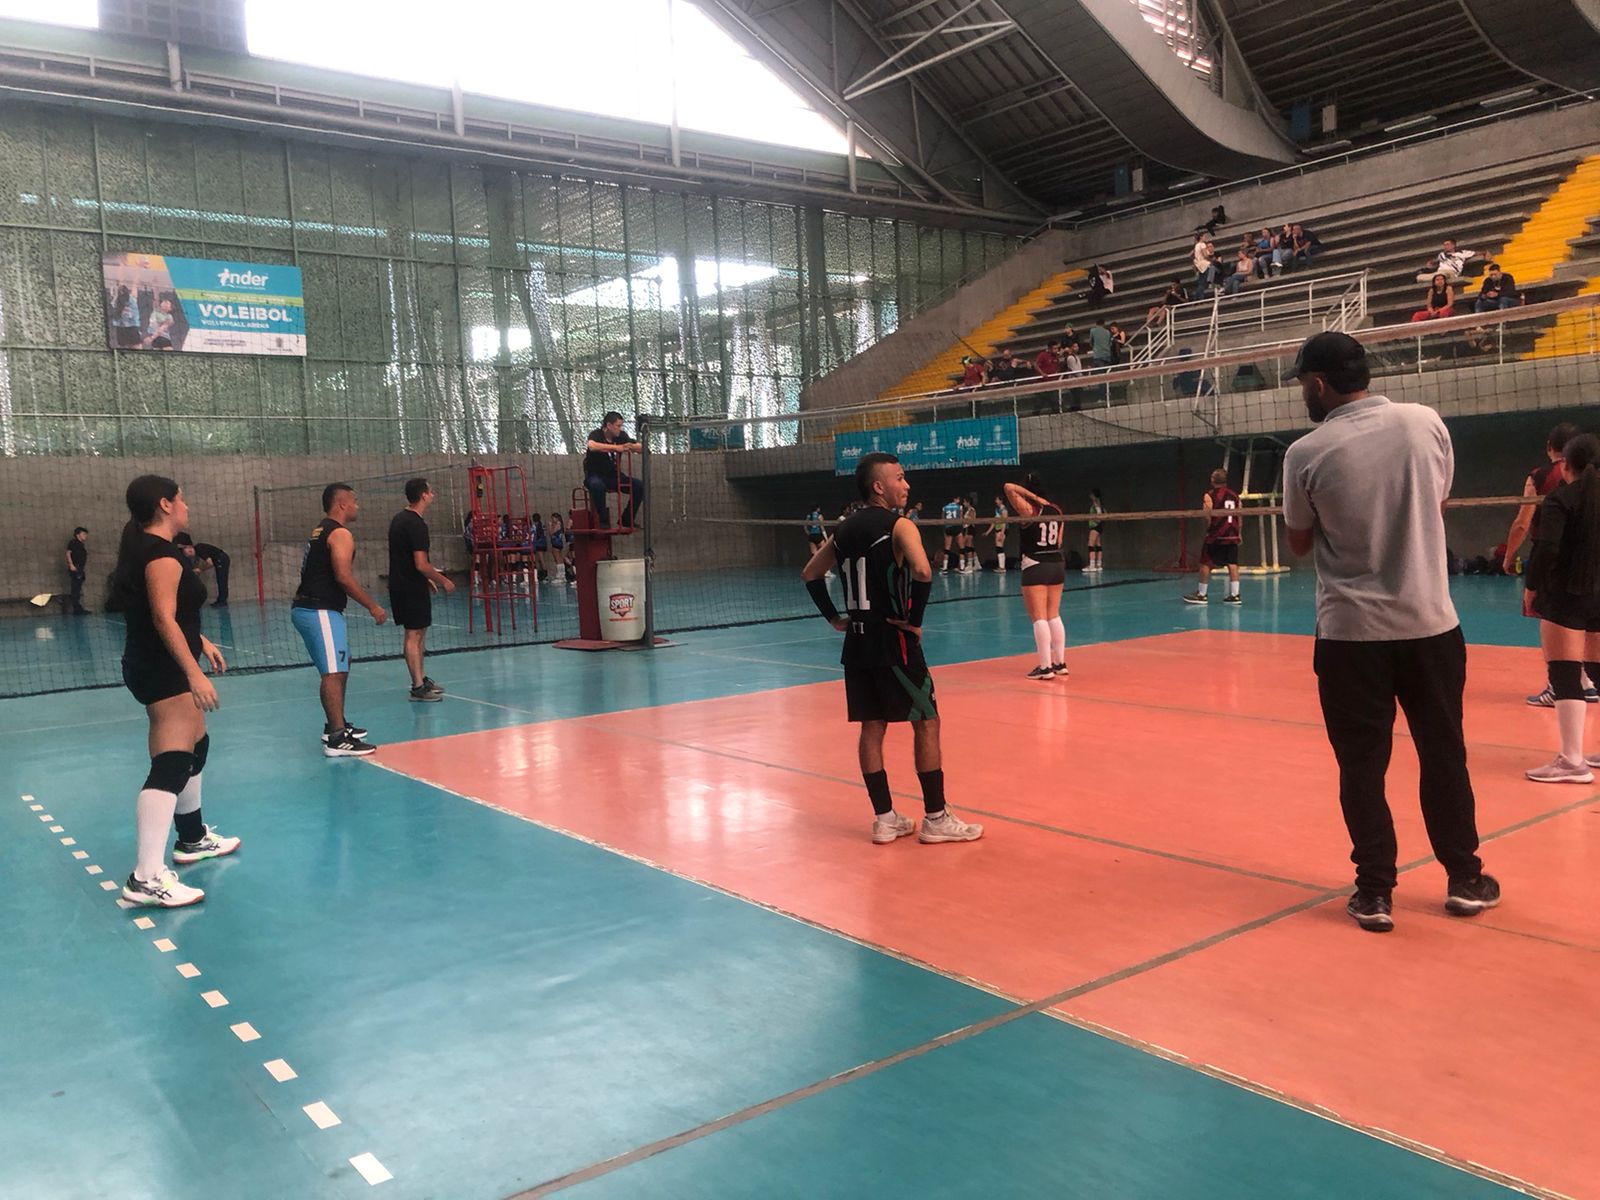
<point x="1367" y="489"/>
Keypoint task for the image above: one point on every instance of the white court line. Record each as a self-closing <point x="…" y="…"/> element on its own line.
<point x="143" y="922"/>
<point x="188" y="970"/>
<point x="45" y="816"/>
<point x="280" y="1070"/>
<point x="214" y="999"/>
<point x="93" y="870"/>
<point x="109" y="885"/>
<point x="55" y="829"/>
<point x="27" y="799"/>
<point x="245" y="1032"/>
<point x="321" y="1115"/>
<point x="373" y="1171"/>
<point x="66" y="841"/>
<point x="36" y="807"/>
<point x="164" y="945"/>
<point x="82" y="854"/>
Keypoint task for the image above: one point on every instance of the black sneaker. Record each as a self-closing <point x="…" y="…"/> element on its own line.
<point x="354" y="731"/>
<point x="1234" y="599"/>
<point x="423" y="694"/>
<point x="1059" y="670"/>
<point x="1469" y="897"/>
<point x="1042" y="673"/>
<point x="345" y="745"/>
<point x="431" y="685"/>
<point x="1371" y="910"/>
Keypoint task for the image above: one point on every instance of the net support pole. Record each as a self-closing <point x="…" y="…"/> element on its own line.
<point x="643" y="425"/>
<point x="261" y="570"/>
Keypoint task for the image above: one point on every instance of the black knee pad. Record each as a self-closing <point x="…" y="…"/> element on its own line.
<point x="201" y="749"/>
<point x="170" y="771"/>
<point x="1566" y="679"/>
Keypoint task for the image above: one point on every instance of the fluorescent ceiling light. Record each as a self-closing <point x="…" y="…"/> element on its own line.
<point x="1425" y="119"/>
<point x="1508" y="97"/>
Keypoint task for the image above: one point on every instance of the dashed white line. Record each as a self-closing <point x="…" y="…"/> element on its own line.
<point x="27" y="799"/>
<point x="82" y="854"/>
<point x="45" y="816"/>
<point x="109" y="885"/>
<point x="373" y="1171"/>
<point x="36" y="807"/>
<point x="165" y="945"/>
<point x="68" y="841"/>
<point x="280" y="1070"/>
<point x="214" y="999"/>
<point x="55" y="829"/>
<point x="142" y="922"/>
<point x="321" y="1115"/>
<point x="93" y="870"/>
<point x="244" y="1031"/>
<point x="188" y="970"/>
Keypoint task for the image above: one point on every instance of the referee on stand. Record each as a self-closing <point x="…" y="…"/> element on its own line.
<point x="1367" y="489"/>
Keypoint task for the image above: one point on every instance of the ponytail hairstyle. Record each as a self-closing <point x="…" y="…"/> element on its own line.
<point x="145" y="495"/>
<point x="1583" y="460"/>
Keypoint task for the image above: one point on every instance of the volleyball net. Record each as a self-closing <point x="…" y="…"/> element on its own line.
<point x="731" y="502"/>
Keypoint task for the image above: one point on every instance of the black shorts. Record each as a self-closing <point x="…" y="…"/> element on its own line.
<point x="890" y="692"/>
<point x="152" y="682"/>
<point x="1044" y="573"/>
<point x="1567" y="612"/>
<point x="1220" y="554"/>
<point x="950" y="531"/>
<point x="816" y="540"/>
<point x="411" y="608"/>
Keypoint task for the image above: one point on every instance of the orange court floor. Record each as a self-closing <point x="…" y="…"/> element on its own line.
<point x="1163" y="862"/>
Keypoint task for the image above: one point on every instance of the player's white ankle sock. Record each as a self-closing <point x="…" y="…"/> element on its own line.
<point x="1233" y="587"/>
<point x="1041" y="642"/>
<point x="1058" y="640"/>
<point x="1201" y="590"/>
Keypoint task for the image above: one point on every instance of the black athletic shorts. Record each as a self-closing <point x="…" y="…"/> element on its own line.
<point x="151" y="682"/>
<point x="1220" y="554"/>
<point x="890" y="693"/>
<point x="816" y="540"/>
<point x="1569" y="612"/>
<point x="951" y="530"/>
<point x="1044" y="573"/>
<point x="412" y="608"/>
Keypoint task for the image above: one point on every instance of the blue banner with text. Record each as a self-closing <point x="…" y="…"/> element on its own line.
<point x="978" y="442"/>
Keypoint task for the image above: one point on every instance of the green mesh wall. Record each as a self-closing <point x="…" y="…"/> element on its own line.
<point x="449" y="308"/>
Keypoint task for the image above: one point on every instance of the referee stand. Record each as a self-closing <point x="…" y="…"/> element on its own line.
<point x="592" y="536"/>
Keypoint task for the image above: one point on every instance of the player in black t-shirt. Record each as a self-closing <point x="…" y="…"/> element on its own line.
<point x="600" y="473"/>
<point x="1044" y="574"/>
<point x="160" y="600"/>
<point x="78" y="568"/>
<point x="327" y="582"/>
<point x="412" y="582"/>
<point x="887" y="580"/>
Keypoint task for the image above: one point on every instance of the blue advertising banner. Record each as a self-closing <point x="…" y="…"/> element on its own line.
<point x="978" y="442"/>
<point x="155" y="302"/>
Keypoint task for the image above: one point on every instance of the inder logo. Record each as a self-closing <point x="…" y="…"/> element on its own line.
<point x="228" y="277"/>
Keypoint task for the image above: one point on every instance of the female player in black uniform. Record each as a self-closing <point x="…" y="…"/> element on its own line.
<point x="887" y="581"/>
<point x="1563" y="582"/>
<point x="1044" y="573"/>
<point x="161" y="599"/>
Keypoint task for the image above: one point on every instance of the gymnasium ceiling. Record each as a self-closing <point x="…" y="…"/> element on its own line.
<point x="1010" y="110"/>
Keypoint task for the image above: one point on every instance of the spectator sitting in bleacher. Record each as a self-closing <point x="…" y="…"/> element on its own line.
<point x="1304" y="243"/>
<point x="1048" y="361"/>
<point x="1219" y="216"/>
<point x="1244" y="266"/>
<point x="1440" y="301"/>
<point x="1173" y="296"/>
<point x="1205" y="267"/>
<point x="1264" y="244"/>
<point x="1449" y="262"/>
<point x="1101" y="285"/>
<point x="974" y="372"/>
<point x="1283" y="249"/>
<point x="1499" y="291"/>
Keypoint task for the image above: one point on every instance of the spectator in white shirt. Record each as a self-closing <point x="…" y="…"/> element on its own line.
<point x="1449" y="262"/>
<point x="1205" y="267"/>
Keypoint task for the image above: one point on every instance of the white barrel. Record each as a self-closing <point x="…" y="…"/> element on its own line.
<point x="619" y="583"/>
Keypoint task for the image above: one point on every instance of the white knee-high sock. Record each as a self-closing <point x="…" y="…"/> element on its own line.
<point x="189" y="798"/>
<point x="155" y="809"/>
<point x="1041" y="642"/>
<point x="1570" y="716"/>
<point x="1058" y="640"/>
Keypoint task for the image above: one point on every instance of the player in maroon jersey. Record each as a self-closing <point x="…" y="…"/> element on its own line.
<point x="1223" y="535"/>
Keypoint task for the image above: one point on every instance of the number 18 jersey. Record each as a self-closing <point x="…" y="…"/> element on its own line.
<point x="1041" y="540"/>
<point x="876" y="589"/>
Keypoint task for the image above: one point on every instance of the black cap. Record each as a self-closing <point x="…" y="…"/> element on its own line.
<point x="1337" y="355"/>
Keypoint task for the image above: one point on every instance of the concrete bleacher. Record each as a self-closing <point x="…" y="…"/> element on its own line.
<point x="1552" y="205"/>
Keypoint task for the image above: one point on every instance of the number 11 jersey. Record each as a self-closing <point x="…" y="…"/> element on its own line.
<point x="876" y="589"/>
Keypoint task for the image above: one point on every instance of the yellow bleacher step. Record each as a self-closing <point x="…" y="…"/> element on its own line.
<point x="1542" y="244"/>
<point x="985" y="339"/>
<point x="1573" y="333"/>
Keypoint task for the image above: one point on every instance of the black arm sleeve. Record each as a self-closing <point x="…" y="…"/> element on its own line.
<point x="820" y="597"/>
<point x="921" y="589"/>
